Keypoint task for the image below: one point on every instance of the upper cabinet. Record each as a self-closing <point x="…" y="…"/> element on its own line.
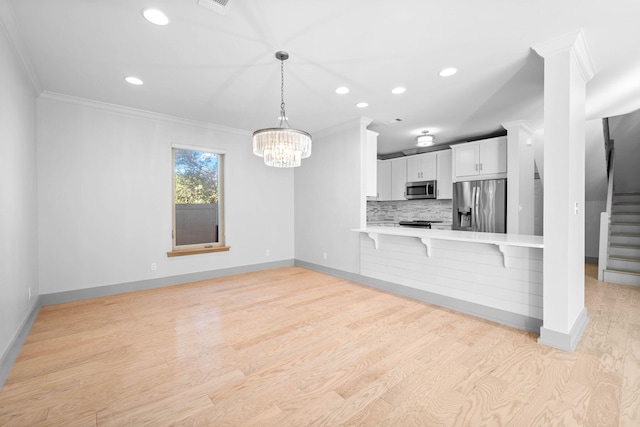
<point x="444" y="176"/>
<point x="394" y="174"/>
<point x="484" y="159"/>
<point x="421" y="167"/>
<point x="398" y="178"/>
<point x="493" y="156"/>
<point x="392" y="179"/>
<point x="384" y="180"/>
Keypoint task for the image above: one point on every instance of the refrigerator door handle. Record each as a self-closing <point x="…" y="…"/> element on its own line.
<point x="474" y="202"/>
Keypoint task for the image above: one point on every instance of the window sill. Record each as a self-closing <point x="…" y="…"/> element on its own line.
<point x="183" y="252"/>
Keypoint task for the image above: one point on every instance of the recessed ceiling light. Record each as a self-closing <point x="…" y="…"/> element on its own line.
<point x="342" y="90"/>
<point x="155" y="16"/>
<point x="446" y="72"/>
<point x="398" y="90"/>
<point x="134" y="80"/>
<point x="362" y="105"/>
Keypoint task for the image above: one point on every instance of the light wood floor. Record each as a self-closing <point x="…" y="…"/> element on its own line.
<point x="290" y="347"/>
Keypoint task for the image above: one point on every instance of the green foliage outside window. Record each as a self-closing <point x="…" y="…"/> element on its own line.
<point x="196" y="177"/>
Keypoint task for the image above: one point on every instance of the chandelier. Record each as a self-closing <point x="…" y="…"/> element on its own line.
<point x="282" y="146"/>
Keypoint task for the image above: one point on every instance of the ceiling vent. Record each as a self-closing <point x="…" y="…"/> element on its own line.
<point x="220" y="7"/>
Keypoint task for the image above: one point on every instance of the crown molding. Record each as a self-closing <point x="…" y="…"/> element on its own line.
<point x="10" y="28"/>
<point x="519" y="125"/>
<point x="365" y="121"/>
<point x="574" y="43"/>
<point x="134" y="112"/>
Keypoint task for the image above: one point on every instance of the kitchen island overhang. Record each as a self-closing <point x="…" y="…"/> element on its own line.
<point x="498" y="277"/>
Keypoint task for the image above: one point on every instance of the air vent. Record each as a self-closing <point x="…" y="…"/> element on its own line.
<point x="393" y="121"/>
<point x="218" y="6"/>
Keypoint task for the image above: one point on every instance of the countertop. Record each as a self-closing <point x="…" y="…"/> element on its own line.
<point x="392" y="223"/>
<point x="499" y="239"/>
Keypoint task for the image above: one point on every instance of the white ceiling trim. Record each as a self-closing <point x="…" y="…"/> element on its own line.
<point x="519" y="124"/>
<point x="8" y="24"/>
<point x="128" y="111"/>
<point x="576" y="44"/>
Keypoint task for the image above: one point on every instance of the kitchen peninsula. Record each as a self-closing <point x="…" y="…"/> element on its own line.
<point x="494" y="276"/>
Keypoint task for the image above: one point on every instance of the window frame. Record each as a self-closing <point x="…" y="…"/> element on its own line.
<point x="199" y="248"/>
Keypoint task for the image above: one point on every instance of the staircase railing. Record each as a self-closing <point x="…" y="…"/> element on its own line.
<point x="605" y="218"/>
<point x="608" y="142"/>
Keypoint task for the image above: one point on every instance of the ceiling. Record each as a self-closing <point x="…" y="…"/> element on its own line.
<point x="221" y="69"/>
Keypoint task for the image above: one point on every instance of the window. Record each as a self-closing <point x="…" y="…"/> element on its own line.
<point x="197" y="201"/>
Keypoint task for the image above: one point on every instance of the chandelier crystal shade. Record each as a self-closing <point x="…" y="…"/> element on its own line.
<point x="282" y="146"/>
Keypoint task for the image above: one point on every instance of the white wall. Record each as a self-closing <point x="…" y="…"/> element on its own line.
<point x="538" y="184"/>
<point x="538" y="207"/>
<point x="18" y="205"/>
<point x="328" y="199"/>
<point x="105" y="196"/>
<point x="595" y="186"/>
<point x="520" y="176"/>
<point x="592" y="211"/>
<point x="538" y="153"/>
<point x="625" y="131"/>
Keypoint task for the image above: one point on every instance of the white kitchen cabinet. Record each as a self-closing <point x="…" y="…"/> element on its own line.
<point x="392" y="179"/>
<point x="466" y="158"/>
<point x="484" y="159"/>
<point x="398" y="178"/>
<point x="444" y="176"/>
<point x="421" y="167"/>
<point x="493" y="156"/>
<point x="371" y="164"/>
<point x="384" y="180"/>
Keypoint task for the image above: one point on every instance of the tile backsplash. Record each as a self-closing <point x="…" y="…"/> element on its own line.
<point x="409" y="210"/>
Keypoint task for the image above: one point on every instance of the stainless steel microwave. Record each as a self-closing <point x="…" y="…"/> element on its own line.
<point x="421" y="190"/>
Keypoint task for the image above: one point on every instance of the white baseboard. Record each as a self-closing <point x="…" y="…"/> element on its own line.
<point x="513" y="320"/>
<point x="562" y="341"/>
<point x="9" y="357"/>
<point x="160" y="282"/>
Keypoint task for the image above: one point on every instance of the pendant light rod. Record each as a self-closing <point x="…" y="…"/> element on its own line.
<point x="282" y="56"/>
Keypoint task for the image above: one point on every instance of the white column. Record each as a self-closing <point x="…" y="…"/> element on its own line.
<point x="520" y="170"/>
<point x="368" y="161"/>
<point x="567" y="69"/>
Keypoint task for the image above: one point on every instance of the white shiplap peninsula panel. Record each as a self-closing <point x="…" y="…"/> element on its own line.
<point x="466" y="271"/>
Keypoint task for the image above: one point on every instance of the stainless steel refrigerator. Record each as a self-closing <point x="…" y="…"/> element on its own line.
<point x="480" y="205"/>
